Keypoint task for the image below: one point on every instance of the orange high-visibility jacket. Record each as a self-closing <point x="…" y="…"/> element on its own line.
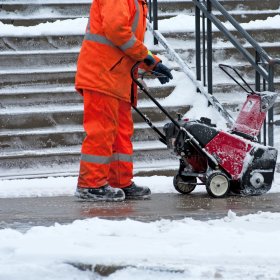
<point x="113" y="43"/>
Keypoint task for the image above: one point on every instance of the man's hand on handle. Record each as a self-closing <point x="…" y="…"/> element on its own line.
<point x="162" y="72"/>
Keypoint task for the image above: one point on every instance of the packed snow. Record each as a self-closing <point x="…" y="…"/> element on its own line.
<point x="233" y="247"/>
<point x="65" y="186"/>
<point x="229" y="248"/>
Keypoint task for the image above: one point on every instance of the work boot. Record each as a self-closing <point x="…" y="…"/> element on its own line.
<point x="105" y="193"/>
<point x="136" y="192"/>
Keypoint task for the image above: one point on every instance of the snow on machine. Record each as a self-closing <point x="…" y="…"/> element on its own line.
<point x="226" y="162"/>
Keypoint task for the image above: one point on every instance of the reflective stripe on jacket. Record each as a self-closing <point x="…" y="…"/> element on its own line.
<point x="113" y="43"/>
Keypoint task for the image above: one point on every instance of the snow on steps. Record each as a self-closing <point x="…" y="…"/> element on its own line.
<point x="31" y="20"/>
<point x="40" y="51"/>
<point x="147" y="155"/>
<point x="165" y="167"/>
<point x="53" y="94"/>
<point x="54" y="58"/>
<point x="50" y="116"/>
<point x="33" y="12"/>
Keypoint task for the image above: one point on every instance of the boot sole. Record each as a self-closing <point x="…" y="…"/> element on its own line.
<point x="99" y="199"/>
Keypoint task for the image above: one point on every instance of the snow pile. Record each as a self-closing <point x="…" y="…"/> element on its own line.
<point x="181" y="22"/>
<point x="66" y="27"/>
<point x="65" y="186"/>
<point x="233" y="248"/>
<point x="186" y="23"/>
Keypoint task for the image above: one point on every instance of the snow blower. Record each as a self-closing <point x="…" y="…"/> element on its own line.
<point x="226" y="162"/>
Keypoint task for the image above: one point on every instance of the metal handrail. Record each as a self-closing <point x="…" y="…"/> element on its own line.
<point x="263" y="63"/>
<point x="259" y="68"/>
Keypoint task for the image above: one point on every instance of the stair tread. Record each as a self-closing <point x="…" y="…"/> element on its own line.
<point x="76" y="149"/>
<point x="19" y="16"/>
<point x="64" y="129"/>
<point x="186" y="46"/>
<point x="73" y="169"/>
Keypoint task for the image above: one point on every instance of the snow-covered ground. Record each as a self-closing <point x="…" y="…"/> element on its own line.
<point x="230" y="248"/>
<point x="65" y="186"/>
<point x="233" y="247"/>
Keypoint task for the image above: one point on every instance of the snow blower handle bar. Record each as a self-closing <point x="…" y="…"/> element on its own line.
<point x="225" y="67"/>
<point x="141" y="86"/>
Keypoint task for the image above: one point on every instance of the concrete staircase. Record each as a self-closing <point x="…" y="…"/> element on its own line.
<point x="40" y="113"/>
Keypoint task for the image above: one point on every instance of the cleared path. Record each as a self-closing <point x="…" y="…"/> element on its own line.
<point x="23" y="213"/>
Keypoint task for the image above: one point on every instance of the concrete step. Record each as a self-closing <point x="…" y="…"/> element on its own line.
<point x="62" y="136"/>
<point x="42" y="42"/>
<point x="226" y="54"/>
<point x="52" y="116"/>
<point x="19" y="74"/>
<point x="70" y="44"/>
<point x="54" y="60"/>
<point x="164" y="167"/>
<point x="260" y="35"/>
<point x="37" y="58"/>
<point x="71" y="8"/>
<point x="43" y="15"/>
<point x="57" y="94"/>
<point x="63" y="75"/>
<point x="67" y="158"/>
<point x="70" y="134"/>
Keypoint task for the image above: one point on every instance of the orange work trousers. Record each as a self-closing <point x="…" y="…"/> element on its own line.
<point x="106" y="156"/>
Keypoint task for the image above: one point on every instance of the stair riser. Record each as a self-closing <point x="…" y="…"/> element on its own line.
<point x="83" y="8"/>
<point x="63" y="161"/>
<point x="54" y="140"/>
<point x="65" y="78"/>
<point x="241" y="18"/>
<point x="61" y="139"/>
<point x="63" y="98"/>
<point x="247" y="17"/>
<point x="75" y="41"/>
<point x="37" y="60"/>
<point x="231" y="55"/>
<point x="226" y="88"/>
<point x="77" y="9"/>
<point x="48" y="61"/>
<point x="46" y="119"/>
<point x="263" y="35"/>
<point x="40" y="43"/>
<point x="40" y="79"/>
<point x="39" y="98"/>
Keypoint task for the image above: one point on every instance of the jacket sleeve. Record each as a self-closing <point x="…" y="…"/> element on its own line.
<point x="116" y="25"/>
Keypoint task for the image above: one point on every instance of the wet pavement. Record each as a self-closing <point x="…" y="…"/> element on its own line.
<point x="23" y="213"/>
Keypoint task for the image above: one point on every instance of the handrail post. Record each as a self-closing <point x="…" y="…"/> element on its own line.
<point x="258" y="88"/>
<point x="150" y="10"/>
<point x="155" y="18"/>
<point x="203" y="49"/>
<point x="271" y="110"/>
<point x="209" y="50"/>
<point x="264" y="126"/>
<point x="257" y="74"/>
<point x="197" y="44"/>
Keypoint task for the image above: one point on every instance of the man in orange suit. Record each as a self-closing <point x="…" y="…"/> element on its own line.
<point x="113" y="43"/>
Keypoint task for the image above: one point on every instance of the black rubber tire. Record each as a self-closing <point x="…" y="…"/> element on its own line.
<point x="181" y="184"/>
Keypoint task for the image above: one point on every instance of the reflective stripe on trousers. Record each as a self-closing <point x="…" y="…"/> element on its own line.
<point x="104" y="160"/>
<point x="107" y="148"/>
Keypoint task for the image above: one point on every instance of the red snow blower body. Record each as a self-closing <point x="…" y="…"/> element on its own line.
<point x="224" y="161"/>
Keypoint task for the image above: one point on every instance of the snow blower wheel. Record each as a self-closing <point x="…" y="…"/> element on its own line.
<point x="184" y="184"/>
<point x="217" y="185"/>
